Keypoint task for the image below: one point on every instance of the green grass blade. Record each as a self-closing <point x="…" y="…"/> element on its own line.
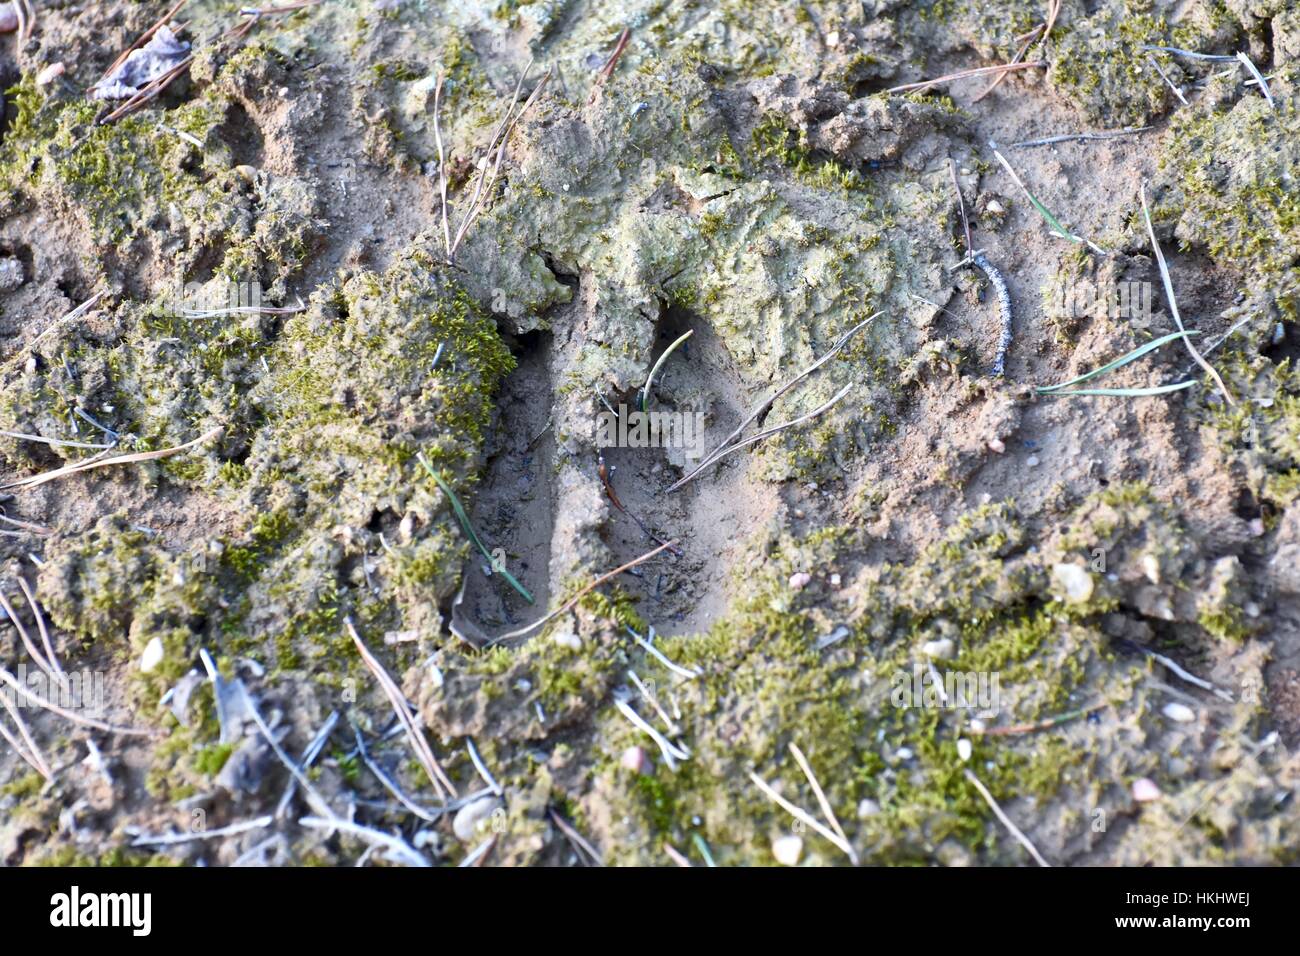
<point x="1128" y="392"/>
<point x="1120" y="362"/>
<point x="463" y="518"/>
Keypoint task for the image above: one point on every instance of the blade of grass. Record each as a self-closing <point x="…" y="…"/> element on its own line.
<point x="1173" y="303"/>
<point x="1120" y="362"/>
<point x="1128" y="392"/>
<point x="1057" y="228"/>
<point x="649" y="382"/>
<point x="468" y="528"/>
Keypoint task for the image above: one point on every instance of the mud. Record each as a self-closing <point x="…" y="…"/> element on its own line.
<point x="742" y="173"/>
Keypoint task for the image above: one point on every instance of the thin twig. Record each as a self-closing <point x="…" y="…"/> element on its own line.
<point x="963" y="74"/>
<point x="76" y="718"/>
<point x="397" y="849"/>
<point x="423" y="752"/>
<point x="73" y="314"/>
<point x="763" y="406"/>
<point x="32" y="754"/>
<point x="607" y="70"/>
<point x="568" y="605"/>
<point x="171" y="839"/>
<point x="98" y="462"/>
<point x="1006" y="821"/>
<point x="442" y="161"/>
<point x="827" y="812"/>
<point x="45" y="632"/>
<point x="1080" y="137"/>
<point x="575" y="838"/>
<point x="804" y="817"/>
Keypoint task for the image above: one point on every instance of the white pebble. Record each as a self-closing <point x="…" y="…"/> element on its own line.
<point x="1032" y="461"/>
<point x="467" y="820"/>
<point x="634" y="759"/>
<point x="867" y="808"/>
<point x="964" y="749"/>
<point x="1145" y="790"/>
<point x="940" y="650"/>
<point x="997" y="445"/>
<point x="152" y="656"/>
<point x="995" y="208"/>
<point x="1179" y="712"/>
<point x="787" y="849"/>
<point x="1151" y="568"/>
<point x="1076" y="581"/>
<point x="799" y="580"/>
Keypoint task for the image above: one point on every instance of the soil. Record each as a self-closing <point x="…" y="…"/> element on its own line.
<point x="1121" y="565"/>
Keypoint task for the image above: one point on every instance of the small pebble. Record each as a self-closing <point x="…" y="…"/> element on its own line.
<point x="835" y="580"/>
<point x="904" y="753"/>
<point x="997" y="445"/>
<point x="1179" y="712"/>
<point x="964" y="749"/>
<point x="995" y="208"/>
<point x="1032" y="461"/>
<point x="940" y="650"/>
<point x="12" y="274"/>
<point x="467" y="819"/>
<point x="1151" y="568"/>
<point x="1145" y="790"/>
<point x="634" y="759"/>
<point x="49" y="74"/>
<point x="8" y="18"/>
<point x="867" y="808"/>
<point x="152" y="656"/>
<point x="1076" y="581"/>
<point x="787" y="849"/>
<point x="568" y="639"/>
<point x="799" y="580"/>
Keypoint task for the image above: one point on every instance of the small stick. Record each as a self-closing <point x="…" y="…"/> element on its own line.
<point x="654" y="652"/>
<point x="827" y="812"/>
<point x="98" y="462"/>
<point x="676" y="856"/>
<point x="769" y="432"/>
<point x="1045" y="724"/>
<point x="421" y="747"/>
<point x="574" y="837"/>
<point x="607" y="70"/>
<point x="45" y="633"/>
<point x="397" y="849"/>
<point x="1259" y="78"/>
<point x="33" y="753"/>
<point x="442" y="161"/>
<point x="32" y="649"/>
<point x="1020" y="55"/>
<point x="671" y="752"/>
<point x="1004" y="310"/>
<point x="482" y="768"/>
<point x="603" y="471"/>
<point x="480" y="852"/>
<point x="309" y="756"/>
<point x="1006" y="821"/>
<point x="1187" y="53"/>
<point x="963" y="74"/>
<point x="143" y="39"/>
<point x="76" y="718"/>
<point x="1188" y="676"/>
<point x="430" y="816"/>
<point x="1080" y="137"/>
<point x="1165" y="76"/>
<point x="767" y="403"/>
<point x="580" y="595"/>
<point x="171" y="839"/>
<point x="74" y="314"/>
<point x="1173" y="303"/>
<point x="56" y="442"/>
<point x="27" y="525"/>
<point x="803" y="816"/>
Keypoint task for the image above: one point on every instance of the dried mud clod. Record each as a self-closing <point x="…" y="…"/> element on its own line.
<point x="261" y="255"/>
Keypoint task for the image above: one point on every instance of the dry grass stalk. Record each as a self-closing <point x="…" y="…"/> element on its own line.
<point x="607" y="70"/>
<point x="98" y="461"/>
<point x="963" y="74"/>
<point x="437" y="776"/>
<point x="1006" y="821"/>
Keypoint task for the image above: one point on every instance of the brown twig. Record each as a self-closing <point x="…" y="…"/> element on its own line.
<point x="568" y="605"/>
<point x="963" y="74"/>
<point x="607" y="70"/>
<point x="603" y="471"/>
<point x="423" y="751"/>
<point x="99" y="462"/>
<point x="726" y="444"/>
<point x="1020" y="55"/>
